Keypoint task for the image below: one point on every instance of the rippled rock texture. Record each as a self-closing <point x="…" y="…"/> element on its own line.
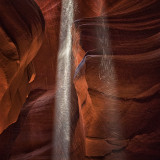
<point x="117" y="81"/>
<point x="31" y="137"/>
<point x="21" y="38"/>
<point x="115" y="95"/>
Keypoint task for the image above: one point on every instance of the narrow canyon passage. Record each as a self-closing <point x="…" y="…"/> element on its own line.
<point x="96" y="71"/>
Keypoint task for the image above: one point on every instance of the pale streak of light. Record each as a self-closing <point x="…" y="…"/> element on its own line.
<point x="61" y="130"/>
<point x="46" y="5"/>
<point x="107" y="74"/>
<point x="49" y="8"/>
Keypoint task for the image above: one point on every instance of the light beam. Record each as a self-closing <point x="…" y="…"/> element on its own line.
<point x="61" y="135"/>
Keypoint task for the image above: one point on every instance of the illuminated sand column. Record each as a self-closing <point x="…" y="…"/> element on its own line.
<point x="61" y="130"/>
<point x="107" y="74"/>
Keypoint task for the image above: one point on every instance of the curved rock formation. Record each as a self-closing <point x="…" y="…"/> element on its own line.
<point x="117" y="81"/>
<point x="116" y="76"/>
<point x="21" y="37"/>
<point x="30" y="137"/>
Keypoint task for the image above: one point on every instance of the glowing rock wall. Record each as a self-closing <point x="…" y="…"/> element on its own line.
<point x="115" y="69"/>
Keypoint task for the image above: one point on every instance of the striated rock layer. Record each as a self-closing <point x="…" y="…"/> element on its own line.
<point x="31" y="137"/>
<point x="21" y="38"/>
<point x="117" y="81"/>
<point x="116" y="61"/>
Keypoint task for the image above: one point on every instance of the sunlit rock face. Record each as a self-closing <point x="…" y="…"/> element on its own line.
<point x="116" y="76"/>
<point x="31" y="137"/>
<point x="21" y="37"/>
<point x="117" y="81"/>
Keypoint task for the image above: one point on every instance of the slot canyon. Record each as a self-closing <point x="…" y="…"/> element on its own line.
<point x="79" y="80"/>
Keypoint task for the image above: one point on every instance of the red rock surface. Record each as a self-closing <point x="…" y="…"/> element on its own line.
<point x="21" y="38"/>
<point x="116" y="76"/>
<point x="117" y="81"/>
